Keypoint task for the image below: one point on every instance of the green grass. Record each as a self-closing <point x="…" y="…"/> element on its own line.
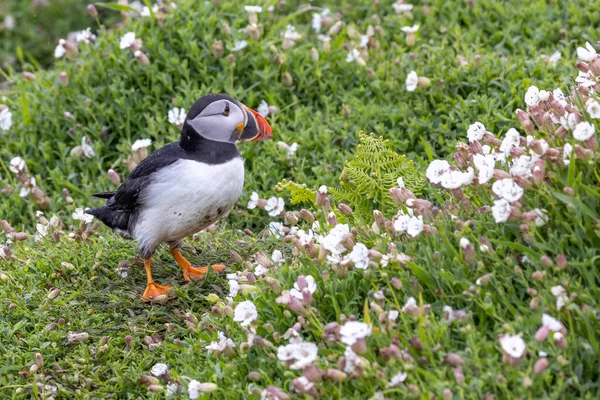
<point x="115" y="100"/>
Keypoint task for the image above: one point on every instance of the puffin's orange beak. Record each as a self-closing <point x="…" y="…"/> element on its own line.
<point x="257" y="128"/>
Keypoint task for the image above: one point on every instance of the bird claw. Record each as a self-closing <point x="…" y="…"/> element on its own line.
<point x="156" y="293"/>
<point x="193" y="273"/>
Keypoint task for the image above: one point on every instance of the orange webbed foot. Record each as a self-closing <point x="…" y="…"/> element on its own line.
<point x="156" y="293"/>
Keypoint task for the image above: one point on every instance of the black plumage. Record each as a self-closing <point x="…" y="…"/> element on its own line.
<point x="121" y="205"/>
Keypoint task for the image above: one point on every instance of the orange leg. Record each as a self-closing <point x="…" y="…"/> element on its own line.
<point x="193" y="273"/>
<point x="154" y="292"/>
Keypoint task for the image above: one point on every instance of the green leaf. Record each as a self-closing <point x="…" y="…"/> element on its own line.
<point x="116" y="7"/>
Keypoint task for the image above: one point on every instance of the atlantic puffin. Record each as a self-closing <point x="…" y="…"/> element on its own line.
<point x="185" y="186"/>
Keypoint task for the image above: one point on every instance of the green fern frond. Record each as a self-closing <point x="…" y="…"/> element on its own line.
<point x="368" y="177"/>
<point x="299" y="193"/>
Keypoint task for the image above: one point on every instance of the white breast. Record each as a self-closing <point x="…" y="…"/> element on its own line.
<point x="186" y="197"/>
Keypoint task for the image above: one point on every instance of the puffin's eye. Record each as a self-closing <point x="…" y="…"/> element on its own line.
<point x="226" y="112"/>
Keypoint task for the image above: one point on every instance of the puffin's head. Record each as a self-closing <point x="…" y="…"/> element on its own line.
<point x="221" y="118"/>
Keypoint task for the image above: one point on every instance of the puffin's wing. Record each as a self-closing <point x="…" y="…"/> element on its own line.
<point x="127" y="196"/>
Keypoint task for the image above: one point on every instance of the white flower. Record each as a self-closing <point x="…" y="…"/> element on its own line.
<point x="352" y="55"/>
<point x="222" y="344"/>
<point x="9" y="23"/>
<point x="401" y="184"/>
<point x="397" y="379"/>
<point x="353" y="360"/>
<point x="275" y="206"/>
<point x="552" y="323"/>
<point x="172" y="388"/>
<point x="302" y="353"/>
<point x="401" y="223"/>
<point x="88" y="150"/>
<point x="560" y="294"/>
<point x="263" y="108"/>
<point x="42" y="229"/>
<point x="532" y="97"/>
<point x="554" y="58"/>
<point x="176" y="116"/>
<point x="234" y="288"/>
<point x="159" y="369"/>
<point x="507" y="189"/>
<point x="141" y="144"/>
<point x="24" y="192"/>
<point x="410" y="29"/>
<point x="277" y="229"/>
<point x="583" y="131"/>
<point x="245" y="312"/>
<point x="253" y="9"/>
<point x="591" y="106"/>
<point x="311" y="286"/>
<point x="291" y="34"/>
<point x="364" y="41"/>
<point x="317" y="19"/>
<point x="585" y="79"/>
<point x="485" y="166"/>
<point x="239" y="45"/>
<point x="402" y="8"/>
<point x="127" y="40"/>
<point x="436" y="169"/>
<point x="59" y="50"/>
<point x="260" y="271"/>
<point x="544" y="95"/>
<point x="85" y="36"/>
<point x="332" y="242"/>
<point x="359" y="256"/>
<point x="522" y="166"/>
<point x="558" y="94"/>
<point x="569" y="121"/>
<point x="586" y="54"/>
<point x="501" y="210"/>
<point x="415" y="226"/>
<point x="5" y="119"/>
<point x="196" y="388"/>
<point x="393" y="315"/>
<point x="290" y="149"/>
<point x="410" y="303"/>
<point x="277" y="257"/>
<point x="351" y="331"/>
<point x="146" y="11"/>
<point x="567" y="150"/>
<point x="475" y="131"/>
<point x="411" y="81"/>
<point x="513" y="345"/>
<point x="80" y="215"/>
<point x="452" y="179"/>
<point x="253" y="202"/>
<point x="541" y="218"/>
<point x="464" y="242"/>
<point x="17" y="165"/>
<point x="323" y="189"/>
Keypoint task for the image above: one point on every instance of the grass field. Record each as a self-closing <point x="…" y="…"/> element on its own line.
<point x="478" y="279"/>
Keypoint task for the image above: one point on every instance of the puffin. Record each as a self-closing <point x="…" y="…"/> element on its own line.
<point x="185" y="186"/>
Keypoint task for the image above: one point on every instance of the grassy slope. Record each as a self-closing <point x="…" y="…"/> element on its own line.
<point x="132" y="102"/>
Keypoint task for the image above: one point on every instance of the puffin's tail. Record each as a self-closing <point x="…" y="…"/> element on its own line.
<point x="111" y="217"/>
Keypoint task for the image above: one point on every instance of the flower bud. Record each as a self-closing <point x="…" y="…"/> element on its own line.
<point x="331" y="219"/>
<point x="29" y="76"/>
<point x="217" y="49"/>
<point x="273" y="284"/>
<point x="335" y="375"/>
<point x="149" y="380"/>
<point x="39" y="360"/>
<point x="534" y="304"/>
<point x="595" y="66"/>
<point x="459" y="377"/>
<point x="114" y="177"/>
<point x="423" y="82"/>
<point x="335" y="29"/>
<point x="582" y="66"/>
<point x="345" y="209"/>
<point x="360" y="346"/>
<point x="312" y="373"/>
<point x="453" y="359"/>
<point x="561" y="261"/>
<point x="591" y="143"/>
<point x="91" y="9"/>
<point x="583" y="153"/>
<point x="307" y="216"/>
<point x="501" y="174"/>
<point x="540" y="365"/>
<point x="286" y="79"/>
<point x="560" y="340"/>
<point x="53" y="294"/>
<point x="128" y="342"/>
<point x="314" y="55"/>
<point x="461" y="163"/>
<point x="231" y="59"/>
<point x="539" y="171"/>
<point x="400" y="195"/>
<point x="141" y="57"/>
<point x="253" y="31"/>
<point x="20" y="236"/>
<point x="263" y="260"/>
<point x="296" y="306"/>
